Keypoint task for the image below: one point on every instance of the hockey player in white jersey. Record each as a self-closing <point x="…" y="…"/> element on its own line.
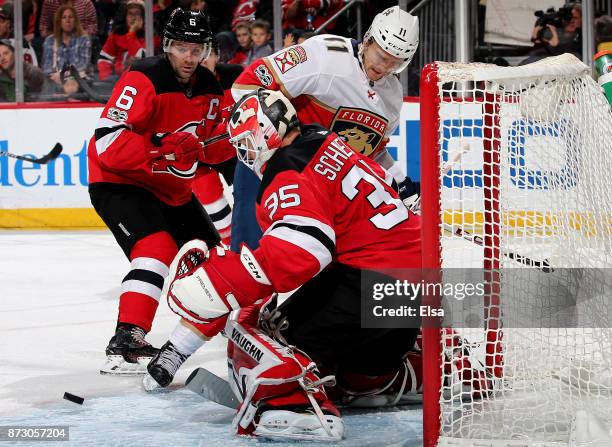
<point x="347" y="87"/>
<point x="331" y="80"/>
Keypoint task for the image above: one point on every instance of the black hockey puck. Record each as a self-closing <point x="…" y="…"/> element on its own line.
<point x="73" y="398"/>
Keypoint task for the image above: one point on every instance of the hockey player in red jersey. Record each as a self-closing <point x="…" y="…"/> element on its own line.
<point x="142" y="160"/>
<point x="330" y="216"/>
<point x="349" y="88"/>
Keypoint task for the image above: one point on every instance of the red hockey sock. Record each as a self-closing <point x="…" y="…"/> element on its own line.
<point x="142" y="286"/>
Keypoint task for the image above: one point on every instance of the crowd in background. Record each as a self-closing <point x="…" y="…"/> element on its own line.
<point x="101" y="38"/>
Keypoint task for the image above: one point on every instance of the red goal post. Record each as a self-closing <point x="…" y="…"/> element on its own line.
<point x="519" y="159"/>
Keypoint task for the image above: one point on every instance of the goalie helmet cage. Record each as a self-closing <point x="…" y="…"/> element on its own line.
<point x="519" y="156"/>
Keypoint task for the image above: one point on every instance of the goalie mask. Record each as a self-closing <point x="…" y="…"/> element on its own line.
<point x="397" y="33"/>
<point x="258" y="123"/>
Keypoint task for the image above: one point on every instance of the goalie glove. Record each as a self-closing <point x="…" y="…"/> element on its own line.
<point x="410" y="194"/>
<point x="210" y="284"/>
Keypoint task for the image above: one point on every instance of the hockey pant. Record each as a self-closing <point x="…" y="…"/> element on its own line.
<point x="245" y="228"/>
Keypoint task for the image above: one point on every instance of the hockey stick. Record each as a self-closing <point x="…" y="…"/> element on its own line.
<point x="212" y="140"/>
<point x="57" y="149"/>
<point x="212" y="387"/>
<point x="83" y="85"/>
<point x="543" y="265"/>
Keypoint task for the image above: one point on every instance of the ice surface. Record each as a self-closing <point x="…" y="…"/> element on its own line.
<point x="59" y="294"/>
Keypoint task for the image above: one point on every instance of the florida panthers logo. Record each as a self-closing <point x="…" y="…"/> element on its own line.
<point x="361" y="129"/>
<point x="359" y="140"/>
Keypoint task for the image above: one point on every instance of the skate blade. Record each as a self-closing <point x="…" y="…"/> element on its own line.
<point x="116" y="365"/>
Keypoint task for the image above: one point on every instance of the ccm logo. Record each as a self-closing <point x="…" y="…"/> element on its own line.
<point x="250" y="265"/>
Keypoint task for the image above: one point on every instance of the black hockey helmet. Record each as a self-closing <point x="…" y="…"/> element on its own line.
<point x="188" y="26"/>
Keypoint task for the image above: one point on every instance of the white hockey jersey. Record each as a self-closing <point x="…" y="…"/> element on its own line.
<point x="325" y="82"/>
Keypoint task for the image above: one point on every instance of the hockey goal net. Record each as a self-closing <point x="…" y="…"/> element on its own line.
<point x="515" y="169"/>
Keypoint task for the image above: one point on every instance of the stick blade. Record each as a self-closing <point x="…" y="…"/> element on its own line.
<point x="211" y="387"/>
<point x="57" y="149"/>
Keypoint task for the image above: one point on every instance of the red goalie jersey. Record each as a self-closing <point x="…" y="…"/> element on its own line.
<point x="320" y="202"/>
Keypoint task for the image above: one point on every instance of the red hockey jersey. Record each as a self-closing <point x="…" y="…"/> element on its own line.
<point x="148" y="99"/>
<point x="320" y="202"/>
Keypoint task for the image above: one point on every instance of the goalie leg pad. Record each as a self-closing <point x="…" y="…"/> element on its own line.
<point x="269" y="377"/>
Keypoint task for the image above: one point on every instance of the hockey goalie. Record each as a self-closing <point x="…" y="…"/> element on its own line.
<point x="330" y="218"/>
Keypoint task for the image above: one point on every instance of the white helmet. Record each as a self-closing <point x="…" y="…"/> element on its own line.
<point x="396" y="32"/>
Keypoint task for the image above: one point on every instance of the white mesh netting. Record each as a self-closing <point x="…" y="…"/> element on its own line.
<point x="543" y="203"/>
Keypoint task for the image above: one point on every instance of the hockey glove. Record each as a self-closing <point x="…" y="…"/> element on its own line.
<point x="174" y="152"/>
<point x="410" y="194"/>
<point x="209" y="284"/>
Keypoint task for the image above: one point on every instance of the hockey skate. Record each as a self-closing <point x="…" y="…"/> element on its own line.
<point x="162" y="368"/>
<point x="128" y="353"/>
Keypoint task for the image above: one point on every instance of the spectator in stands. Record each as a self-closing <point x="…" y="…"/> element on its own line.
<point x="161" y="13"/>
<point x="245" y="11"/>
<point x="243" y="36"/>
<point x="6" y="32"/>
<point x="33" y="77"/>
<point x="553" y="41"/>
<point x="68" y="45"/>
<point x="290" y="38"/>
<point x="603" y="33"/>
<point x="125" y="43"/>
<point x="85" y="12"/>
<point x="309" y="14"/>
<point x="6" y="21"/>
<point x="260" y="36"/>
<point x="29" y="10"/>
